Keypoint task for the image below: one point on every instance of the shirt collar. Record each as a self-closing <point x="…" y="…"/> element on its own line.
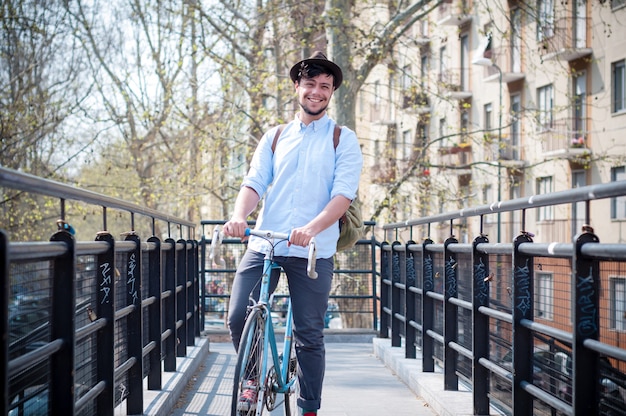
<point x="315" y="125"/>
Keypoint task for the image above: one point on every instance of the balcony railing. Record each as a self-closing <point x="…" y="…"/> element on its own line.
<point x="415" y="100"/>
<point x="454" y="83"/>
<point x="566" y="137"/>
<point x="566" y="39"/>
<point x="453" y="12"/>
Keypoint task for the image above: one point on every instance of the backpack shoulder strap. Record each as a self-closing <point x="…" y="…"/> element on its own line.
<point x="336" y="136"/>
<point x="276" y="136"/>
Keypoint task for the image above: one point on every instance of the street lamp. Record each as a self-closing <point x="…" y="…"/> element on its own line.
<point x="484" y="61"/>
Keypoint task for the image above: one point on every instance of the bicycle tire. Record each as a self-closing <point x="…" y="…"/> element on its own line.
<point x="291" y="397"/>
<point x="249" y="364"/>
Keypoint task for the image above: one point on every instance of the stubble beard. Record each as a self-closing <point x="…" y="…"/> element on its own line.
<point x="310" y="112"/>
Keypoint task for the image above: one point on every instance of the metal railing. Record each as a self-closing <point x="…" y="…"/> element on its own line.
<point x="87" y="321"/>
<point x="353" y="299"/>
<point x="531" y="328"/>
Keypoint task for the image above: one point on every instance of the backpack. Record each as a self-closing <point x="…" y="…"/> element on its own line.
<point x="351" y="227"/>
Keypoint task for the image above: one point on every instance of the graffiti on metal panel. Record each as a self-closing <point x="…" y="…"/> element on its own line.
<point x="522" y="289"/>
<point x="480" y="275"/>
<point x="105" y="282"/>
<point x="410" y="270"/>
<point x="130" y="283"/>
<point x="451" y="276"/>
<point x="395" y="269"/>
<point x="588" y="312"/>
<point x="428" y="273"/>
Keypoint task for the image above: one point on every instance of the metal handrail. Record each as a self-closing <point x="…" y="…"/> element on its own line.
<point x="30" y="183"/>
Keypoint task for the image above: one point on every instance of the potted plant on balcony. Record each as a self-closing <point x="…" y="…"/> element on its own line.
<point x="577" y="142"/>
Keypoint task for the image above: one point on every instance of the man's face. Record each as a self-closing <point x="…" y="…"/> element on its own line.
<point x="314" y="93"/>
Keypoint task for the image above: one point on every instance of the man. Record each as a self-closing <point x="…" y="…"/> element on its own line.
<point x="312" y="186"/>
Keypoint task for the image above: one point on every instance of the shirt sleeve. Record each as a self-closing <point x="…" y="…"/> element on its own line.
<point x="348" y="165"/>
<point x="260" y="174"/>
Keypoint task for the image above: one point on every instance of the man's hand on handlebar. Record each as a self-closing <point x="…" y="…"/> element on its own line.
<point x="300" y="237"/>
<point x="236" y="228"/>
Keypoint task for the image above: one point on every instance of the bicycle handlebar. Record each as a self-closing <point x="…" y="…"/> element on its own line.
<point x="311" y="260"/>
<point x="216" y="242"/>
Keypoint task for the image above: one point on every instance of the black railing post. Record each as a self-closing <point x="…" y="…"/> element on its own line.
<point x="4" y="323"/>
<point x="385" y="289"/>
<point x="451" y="316"/>
<point x="410" y="303"/>
<point x="428" y="308"/>
<point x="134" y="400"/>
<point x="154" y="314"/>
<point x="396" y="340"/>
<point x="62" y="326"/>
<point x="373" y="281"/>
<point x="169" y="306"/>
<point x="202" y="276"/>
<point x="523" y="304"/>
<point x="586" y="319"/>
<point x="192" y="292"/>
<point x="480" y="324"/>
<point x="105" y="337"/>
<point x="181" y="299"/>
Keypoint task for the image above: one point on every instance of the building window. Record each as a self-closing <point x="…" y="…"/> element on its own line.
<point x="465" y="126"/>
<point x="544" y="186"/>
<point x="546" y="103"/>
<point x="422" y="135"/>
<point x="464" y="58"/>
<point x="544" y="295"/>
<point x="406" y="147"/>
<point x="545" y="19"/>
<point x="424" y="71"/>
<point x="443" y="131"/>
<point x="617" y="3"/>
<point x="618" y="205"/>
<point x="443" y="66"/>
<point x="377" y="93"/>
<point x="618" y="303"/>
<point x="619" y="86"/>
<point x="406" y="78"/>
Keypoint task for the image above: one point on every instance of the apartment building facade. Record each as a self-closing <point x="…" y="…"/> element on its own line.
<point x="487" y="101"/>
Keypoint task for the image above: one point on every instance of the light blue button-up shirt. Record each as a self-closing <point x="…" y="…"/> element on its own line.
<point x="300" y="177"/>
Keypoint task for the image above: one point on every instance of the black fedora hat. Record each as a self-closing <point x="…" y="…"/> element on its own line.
<point x="320" y="59"/>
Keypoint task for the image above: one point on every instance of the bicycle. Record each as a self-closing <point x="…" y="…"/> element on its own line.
<point x="258" y="342"/>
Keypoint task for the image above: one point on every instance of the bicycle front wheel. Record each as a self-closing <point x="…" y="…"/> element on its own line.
<point x="247" y="389"/>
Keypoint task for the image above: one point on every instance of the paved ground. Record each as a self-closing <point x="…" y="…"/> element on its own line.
<point x="365" y="376"/>
<point x="357" y="384"/>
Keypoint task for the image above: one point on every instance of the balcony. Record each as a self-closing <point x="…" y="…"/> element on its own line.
<point x="509" y="62"/>
<point x="454" y="84"/>
<point x="565" y="139"/>
<point x="566" y="40"/>
<point x="457" y="158"/>
<point x="510" y="154"/>
<point x="453" y="13"/>
<point x="415" y="101"/>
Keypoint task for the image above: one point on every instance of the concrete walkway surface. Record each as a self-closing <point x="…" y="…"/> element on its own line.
<point x="364" y="377"/>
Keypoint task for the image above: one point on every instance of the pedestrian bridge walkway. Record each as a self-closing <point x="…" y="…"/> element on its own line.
<point x="364" y="376"/>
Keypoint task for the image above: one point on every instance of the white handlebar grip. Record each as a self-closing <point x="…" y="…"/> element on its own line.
<point x="310" y="268"/>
